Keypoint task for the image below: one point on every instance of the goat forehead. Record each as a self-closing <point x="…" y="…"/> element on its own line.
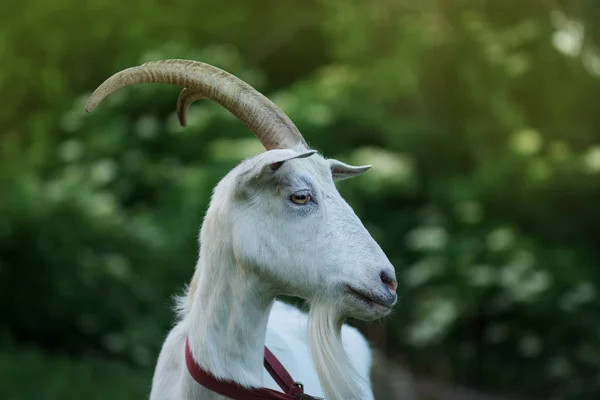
<point x="308" y="173"/>
<point x="315" y="167"/>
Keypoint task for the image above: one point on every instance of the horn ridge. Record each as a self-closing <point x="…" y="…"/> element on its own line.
<point x="200" y="80"/>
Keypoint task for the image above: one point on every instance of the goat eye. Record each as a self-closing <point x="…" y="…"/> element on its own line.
<point x="300" y="198"/>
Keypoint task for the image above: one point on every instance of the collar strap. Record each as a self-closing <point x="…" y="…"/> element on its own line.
<point x="293" y="390"/>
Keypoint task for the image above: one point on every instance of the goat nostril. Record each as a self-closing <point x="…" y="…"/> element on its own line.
<point x="389" y="280"/>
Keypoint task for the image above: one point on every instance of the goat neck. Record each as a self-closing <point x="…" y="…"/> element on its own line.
<point x="227" y="317"/>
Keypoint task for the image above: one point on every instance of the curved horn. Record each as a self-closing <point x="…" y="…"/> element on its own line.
<point x="184" y="101"/>
<point x="267" y="121"/>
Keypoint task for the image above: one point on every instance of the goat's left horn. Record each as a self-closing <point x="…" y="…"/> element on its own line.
<point x="184" y="101"/>
<point x="267" y="121"/>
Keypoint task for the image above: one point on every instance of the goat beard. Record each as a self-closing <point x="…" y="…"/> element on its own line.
<point x="339" y="379"/>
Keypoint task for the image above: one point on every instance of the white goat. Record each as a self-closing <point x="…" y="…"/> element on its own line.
<point x="276" y="225"/>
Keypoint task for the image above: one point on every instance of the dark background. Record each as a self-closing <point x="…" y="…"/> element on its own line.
<point x="481" y="119"/>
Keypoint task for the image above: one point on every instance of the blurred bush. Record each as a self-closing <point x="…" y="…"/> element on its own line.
<point x="479" y="118"/>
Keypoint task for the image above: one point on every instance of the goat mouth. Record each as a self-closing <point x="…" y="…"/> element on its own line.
<point x="366" y="299"/>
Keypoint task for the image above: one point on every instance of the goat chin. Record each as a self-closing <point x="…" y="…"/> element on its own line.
<point x="338" y="377"/>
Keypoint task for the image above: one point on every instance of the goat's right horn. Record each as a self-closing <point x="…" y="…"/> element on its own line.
<point x="267" y="121"/>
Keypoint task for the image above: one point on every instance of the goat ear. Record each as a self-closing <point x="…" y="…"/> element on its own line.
<point x="340" y="170"/>
<point x="269" y="162"/>
<point x="276" y="161"/>
<point x="260" y="173"/>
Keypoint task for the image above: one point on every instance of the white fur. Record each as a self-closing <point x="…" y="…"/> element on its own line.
<point x="255" y="244"/>
<point x="285" y="337"/>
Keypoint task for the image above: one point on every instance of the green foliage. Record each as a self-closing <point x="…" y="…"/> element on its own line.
<point x="36" y="376"/>
<point x="479" y="120"/>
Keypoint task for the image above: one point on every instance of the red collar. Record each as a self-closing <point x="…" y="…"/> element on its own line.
<point x="293" y="390"/>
